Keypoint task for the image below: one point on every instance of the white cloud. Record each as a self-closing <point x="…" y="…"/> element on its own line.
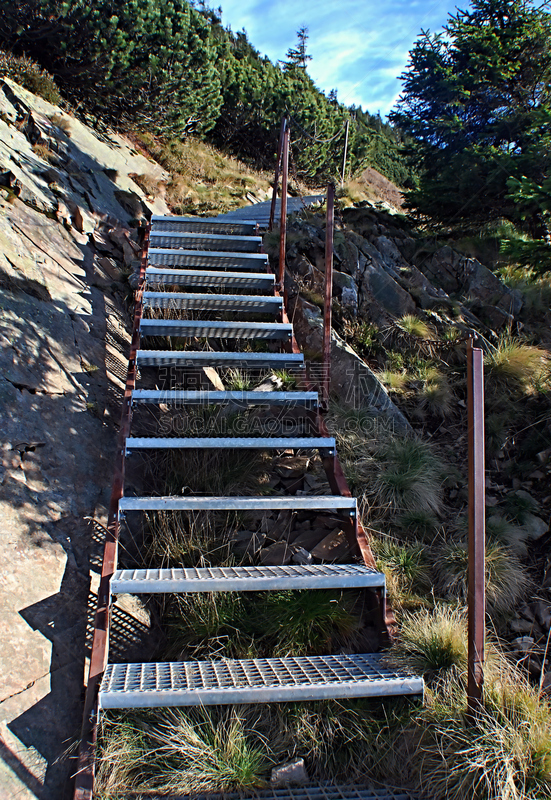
<point x="359" y="48"/>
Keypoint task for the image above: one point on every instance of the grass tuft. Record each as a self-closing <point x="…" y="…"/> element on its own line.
<point x="515" y="366"/>
<point x="409" y="476"/>
<point x="506" y="578"/>
<point x="432" y="643"/>
<point x="180" y="751"/>
<point x="411" y="324"/>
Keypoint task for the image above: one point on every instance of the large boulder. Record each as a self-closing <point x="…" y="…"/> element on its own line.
<point x="459" y="275"/>
<point x="352" y="381"/>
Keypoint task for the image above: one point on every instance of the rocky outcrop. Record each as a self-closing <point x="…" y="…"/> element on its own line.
<point x="352" y="381"/>
<point x="68" y="218"/>
<point x="383" y="273"/>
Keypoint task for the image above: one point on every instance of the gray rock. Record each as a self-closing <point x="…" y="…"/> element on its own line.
<point x="292" y="772"/>
<point x="378" y="285"/>
<point x="534" y="527"/>
<point x="333" y="547"/>
<point x="276" y="554"/>
<point x="352" y="380"/>
<point x="390" y="253"/>
<point x="341" y="280"/>
<point x="302" y="556"/>
<point x="248" y="542"/>
<point x="457" y="274"/>
<point x="349" y="299"/>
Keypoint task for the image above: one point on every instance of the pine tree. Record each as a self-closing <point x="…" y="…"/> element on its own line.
<point x="477" y="106"/>
<point x="297" y="56"/>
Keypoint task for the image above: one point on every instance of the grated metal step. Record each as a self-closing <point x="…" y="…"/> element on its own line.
<point x="262" y="680"/>
<point x="324" y="791"/>
<point x="246" y="579"/>
<point x="206" y="241"/>
<point x="325" y="444"/>
<point x="169" y="257"/>
<point x="215" y="330"/>
<point x="181" y="397"/>
<point x="262" y="281"/>
<point x="242" y="227"/>
<point x="192" y="358"/>
<point x="256" y="304"/>
<point x="278" y="503"/>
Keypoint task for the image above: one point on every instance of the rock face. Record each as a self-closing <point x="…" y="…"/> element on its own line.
<point x="352" y="380"/>
<point x="67" y="246"/>
<point x="459" y="275"/>
<point x="382" y="273"/>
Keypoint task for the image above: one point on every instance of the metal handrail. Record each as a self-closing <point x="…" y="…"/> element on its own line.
<point x="283" y="221"/>
<point x="284" y="125"/>
<point x="476" y="587"/>
<point x="328" y="296"/>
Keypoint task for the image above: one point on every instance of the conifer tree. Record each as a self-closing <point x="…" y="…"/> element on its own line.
<point x="477" y="106"/>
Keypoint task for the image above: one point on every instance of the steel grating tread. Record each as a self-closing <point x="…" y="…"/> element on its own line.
<point x="309" y="792"/>
<point x="268" y="680"/>
<point x="183" y="397"/>
<point x="326" y="443"/>
<point x="211" y="259"/>
<point x="220" y="302"/>
<point x="215" y="329"/>
<point x="263" y="281"/>
<point x="239" y="503"/>
<point x="205" y="225"/>
<point x="206" y="241"/>
<point x="156" y="358"/>
<point x="246" y="579"/>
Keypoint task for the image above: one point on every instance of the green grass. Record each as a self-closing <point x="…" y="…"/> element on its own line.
<point x="172" y="750"/>
<point x="414" y="326"/>
<point x="506" y="579"/>
<point x="407" y="570"/>
<point x="409" y="476"/>
<point x="30" y="75"/>
<point x="515" y="367"/>
<point x="233" y="625"/>
<point x="432" y="643"/>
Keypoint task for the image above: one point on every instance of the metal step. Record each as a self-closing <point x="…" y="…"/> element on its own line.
<point x="246" y="579"/>
<point x="204" y="225"/>
<point x="215" y="330"/>
<point x="330" y="503"/>
<point x="205" y="241"/>
<point x="182" y="398"/>
<point x="192" y="358"/>
<point x="261" y="680"/>
<point x="211" y="280"/>
<point x="169" y="257"/>
<point x="324" y="791"/>
<point x="323" y="443"/>
<point x="254" y="304"/>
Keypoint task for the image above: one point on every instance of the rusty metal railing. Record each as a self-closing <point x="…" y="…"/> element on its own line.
<point x="328" y="297"/>
<point x="476" y="589"/>
<point x="283" y="219"/>
<point x="284" y="125"/>
<point x="84" y="778"/>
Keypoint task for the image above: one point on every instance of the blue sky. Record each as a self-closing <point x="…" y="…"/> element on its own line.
<point x="357" y="46"/>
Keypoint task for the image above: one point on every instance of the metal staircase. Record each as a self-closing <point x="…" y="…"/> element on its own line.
<point x="209" y="257"/>
<point x="227" y="681"/>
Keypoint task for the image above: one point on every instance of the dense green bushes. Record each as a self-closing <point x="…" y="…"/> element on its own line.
<point x="173" y="69"/>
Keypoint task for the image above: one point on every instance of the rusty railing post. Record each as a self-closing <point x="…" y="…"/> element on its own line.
<point x="283" y="225"/>
<point x="476" y="590"/>
<point x="328" y="297"/>
<point x="276" y="179"/>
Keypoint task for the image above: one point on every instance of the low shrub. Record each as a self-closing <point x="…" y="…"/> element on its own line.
<point x="28" y="74"/>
